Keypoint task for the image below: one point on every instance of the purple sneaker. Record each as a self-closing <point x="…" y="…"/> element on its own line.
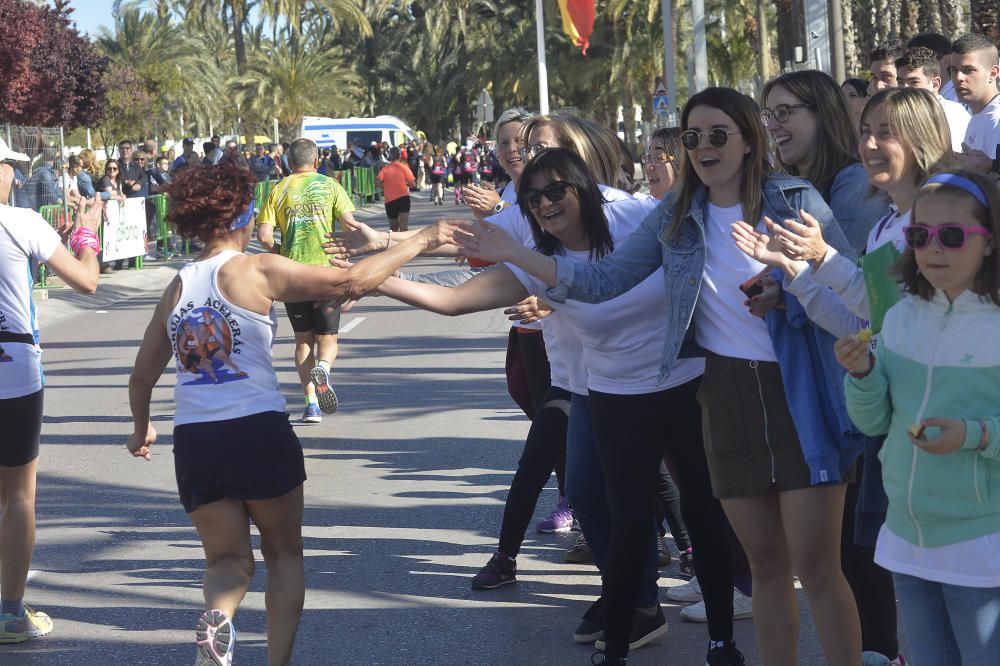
<point x="560" y="520"/>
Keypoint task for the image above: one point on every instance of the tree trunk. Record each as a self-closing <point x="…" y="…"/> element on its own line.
<point x="953" y="21"/>
<point x="985" y="18"/>
<point x="908" y="19"/>
<point x="238" y="11"/>
<point x="790" y="28"/>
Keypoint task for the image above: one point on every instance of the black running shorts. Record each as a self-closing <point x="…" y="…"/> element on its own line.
<point x="319" y="317"/>
<point x="22" y="425"/>
<point x="396" y="206"/>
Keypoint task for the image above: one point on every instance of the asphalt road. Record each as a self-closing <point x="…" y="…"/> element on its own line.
<point x="403" y="503"/>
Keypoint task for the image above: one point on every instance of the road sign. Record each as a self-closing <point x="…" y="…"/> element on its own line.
<point x="484" y="108"/>
<point x="661" y="105"/>
<point x="661" y="88"/>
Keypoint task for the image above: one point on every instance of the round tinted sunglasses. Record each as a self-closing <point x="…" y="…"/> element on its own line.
<point x="656" y="158"/>
<point x="554" y="191"/>
<point x="717" y="137"/>
<point x="950" y="236"/>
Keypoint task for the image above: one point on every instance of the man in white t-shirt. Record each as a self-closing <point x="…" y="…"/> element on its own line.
<point x="882" y="61"/>
<point x="975" y="67"/>
<point x="920" y="68"/>
<point x="941" y="46"/>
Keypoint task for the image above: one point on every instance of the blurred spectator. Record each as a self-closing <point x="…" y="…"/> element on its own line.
<point x="112" y="181"/>
<point x="71" y="189"/>
<point x="134" y="182"/>
<point x="187" y="158"/>
<point x="281" y="159"/>
<point x="232" y="157"/>
<point x="214" y="154"/>
<point x="85" y="178"/>
<point x="149" y="147"/>
<point x="42" y="187"/>
<point x="414" y="162"/>
<point x="159" y="175"/>
<point x="261" y="165"/>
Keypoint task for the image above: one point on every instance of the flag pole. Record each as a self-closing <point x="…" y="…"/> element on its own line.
<point x="543" y="77"/>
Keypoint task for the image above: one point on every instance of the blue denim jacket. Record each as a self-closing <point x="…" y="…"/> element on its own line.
<point x="681" y="256"/>
<point x="854" y="205"/>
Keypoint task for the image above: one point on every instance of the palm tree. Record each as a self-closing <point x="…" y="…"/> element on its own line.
<point x="345" y="14"/>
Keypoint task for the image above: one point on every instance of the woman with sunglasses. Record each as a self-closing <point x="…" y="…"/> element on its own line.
<point x="807" y="117"/>
<point x="776" y="460"/>
<point x="930" y="389"/>
<point x="236" y="457"/>
<point x="621" y="405"/>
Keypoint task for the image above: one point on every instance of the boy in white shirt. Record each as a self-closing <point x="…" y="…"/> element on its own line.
<point x="975" y="67"/>
<point x="920" y="68"/>
<point x="941" y="46"/>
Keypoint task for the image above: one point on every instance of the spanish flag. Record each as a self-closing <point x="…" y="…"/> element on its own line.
<point x="578" y="21"/>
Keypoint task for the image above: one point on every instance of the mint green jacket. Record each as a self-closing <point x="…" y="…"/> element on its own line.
<point x="936" y="359"/>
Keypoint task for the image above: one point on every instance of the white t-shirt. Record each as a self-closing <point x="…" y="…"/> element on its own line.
<point x="958" y="121"/>
<point x="723" y="324"/>
<point x="21" y="363"/>
<point x="622" y="339"/>
<point x="983" y="132"/>
<point x="890" y="231"/>
<point x="972" y="563"/>
<point x="948" y="91"/>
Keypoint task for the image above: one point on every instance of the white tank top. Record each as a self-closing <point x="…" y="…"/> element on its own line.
<point x="223" y="351"/>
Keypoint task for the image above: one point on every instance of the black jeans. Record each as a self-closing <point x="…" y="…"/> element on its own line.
<point x="874" y="591"/>
<point x="544" y="451"/>
<point x="632" y="432"/>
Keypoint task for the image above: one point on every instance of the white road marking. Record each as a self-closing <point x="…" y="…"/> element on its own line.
<point x="351" y="324"/>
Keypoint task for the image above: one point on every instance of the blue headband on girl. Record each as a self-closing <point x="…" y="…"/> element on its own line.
<point x="245" y="217"/>
<point x="961" y="183"/>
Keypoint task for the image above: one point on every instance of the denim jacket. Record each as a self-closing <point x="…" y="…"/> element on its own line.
<point x="682" y="255"/>
<point x="855" y="206"/>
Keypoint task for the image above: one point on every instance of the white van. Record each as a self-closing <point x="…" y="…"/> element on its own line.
<point x="359" y="131"/>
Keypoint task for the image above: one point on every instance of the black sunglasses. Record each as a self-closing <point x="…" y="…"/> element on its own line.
<point x="554" y="191"/>
<point x="717" y="137"/>
<point x="951" y="236"/>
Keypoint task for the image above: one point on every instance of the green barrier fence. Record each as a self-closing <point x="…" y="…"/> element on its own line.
<point x="55" y="215"/>
<point x="262" y="191"/>
<point x="364" y="184"/>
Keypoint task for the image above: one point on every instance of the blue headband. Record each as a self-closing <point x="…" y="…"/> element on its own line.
<point x="961" y="183"/>
<point x="245" y="217"/>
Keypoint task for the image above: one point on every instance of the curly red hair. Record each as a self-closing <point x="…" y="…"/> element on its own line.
<point x="204" y="200"/>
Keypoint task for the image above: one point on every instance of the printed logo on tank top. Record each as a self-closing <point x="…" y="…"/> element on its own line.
<point x="205" y="340"/>
<point x="4" y="356"/>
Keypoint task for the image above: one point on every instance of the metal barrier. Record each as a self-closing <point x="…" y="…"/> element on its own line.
<point x="57" y="216"/>
<point x="364" y="184"/>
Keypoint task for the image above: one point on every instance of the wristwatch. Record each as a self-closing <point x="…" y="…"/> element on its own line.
<point x="498" y="207"/>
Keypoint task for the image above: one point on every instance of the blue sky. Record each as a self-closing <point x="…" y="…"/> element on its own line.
<point x="91" y="14"/>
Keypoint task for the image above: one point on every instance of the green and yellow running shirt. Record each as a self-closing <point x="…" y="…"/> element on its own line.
<point x="305" y="207"/>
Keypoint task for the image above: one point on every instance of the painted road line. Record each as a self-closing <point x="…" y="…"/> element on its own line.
<point x="351" y="324"/>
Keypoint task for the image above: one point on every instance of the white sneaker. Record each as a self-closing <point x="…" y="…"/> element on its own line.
<point x="687" y="593"/>
<point x="742" y="609"/>
<point x="215" y="638"/>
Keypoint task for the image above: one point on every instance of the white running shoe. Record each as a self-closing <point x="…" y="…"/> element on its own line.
<point x="742" y="609"/>
<point x="216" y="639"/>
<point x="688" y="593"/>
<point x="33" y="624"/>
<point x="325" y="395"/>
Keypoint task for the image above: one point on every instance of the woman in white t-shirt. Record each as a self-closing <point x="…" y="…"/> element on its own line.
<point x="25" y="240"/>
<point x="235" y="456"/>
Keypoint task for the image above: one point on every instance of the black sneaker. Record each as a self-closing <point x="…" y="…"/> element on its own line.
<point x="685" y="564"/>
<point x="721" y="653"/>
<point x="580" y="553"/>
<point x="645" y="630"/>
<point x="662" y="552"/>
<point x="601" y="659"/>
<point x="591" y="624"/>
<point x="500" y="570"/>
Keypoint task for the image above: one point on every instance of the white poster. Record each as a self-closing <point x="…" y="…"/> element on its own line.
<point x="124" y="229"/>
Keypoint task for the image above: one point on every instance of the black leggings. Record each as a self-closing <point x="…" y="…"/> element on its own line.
<point x="668" y="506"/>
<point x="632" y="432"/>
<point x="22" y="423"/>
<point x="873" y="588"/>
<point x="544" y="451"/>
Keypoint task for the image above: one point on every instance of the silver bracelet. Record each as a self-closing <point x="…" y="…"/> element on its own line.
<point x="388" y="239"/>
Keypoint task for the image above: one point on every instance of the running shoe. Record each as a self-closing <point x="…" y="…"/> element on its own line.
<point x="645" y="630"/>
<point x="742" y="609"/>
<point x="14" y="629"/>
<point x="685" y="564"/>
<point x="216" y="639"/>
<point x="601" y="659"/>
<point x="312" y="414"/>
<point x="500" y="570"/>
<point x="723" y="653"/>
<point x="560" y="520"/>
<point x="688" y="593"/>
<point x="663" y="558"/>
<point x="873" y="658"/>
<point x="898" y="661"/>
<point x="580" y="553"/>
<point x="325" y="394"/>
<point x="591" y="625"/>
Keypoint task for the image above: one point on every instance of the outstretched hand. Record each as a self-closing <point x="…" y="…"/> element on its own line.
<point x="90" y="217"/>
<point x="757" y="245"/>
<point x="800" y="242"/>
<point x="529" y="310"/>
<point x="486" y="241"/>
<point x="356" y="240"/>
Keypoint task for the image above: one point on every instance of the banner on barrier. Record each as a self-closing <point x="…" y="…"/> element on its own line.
<point x="124" y="229"/>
